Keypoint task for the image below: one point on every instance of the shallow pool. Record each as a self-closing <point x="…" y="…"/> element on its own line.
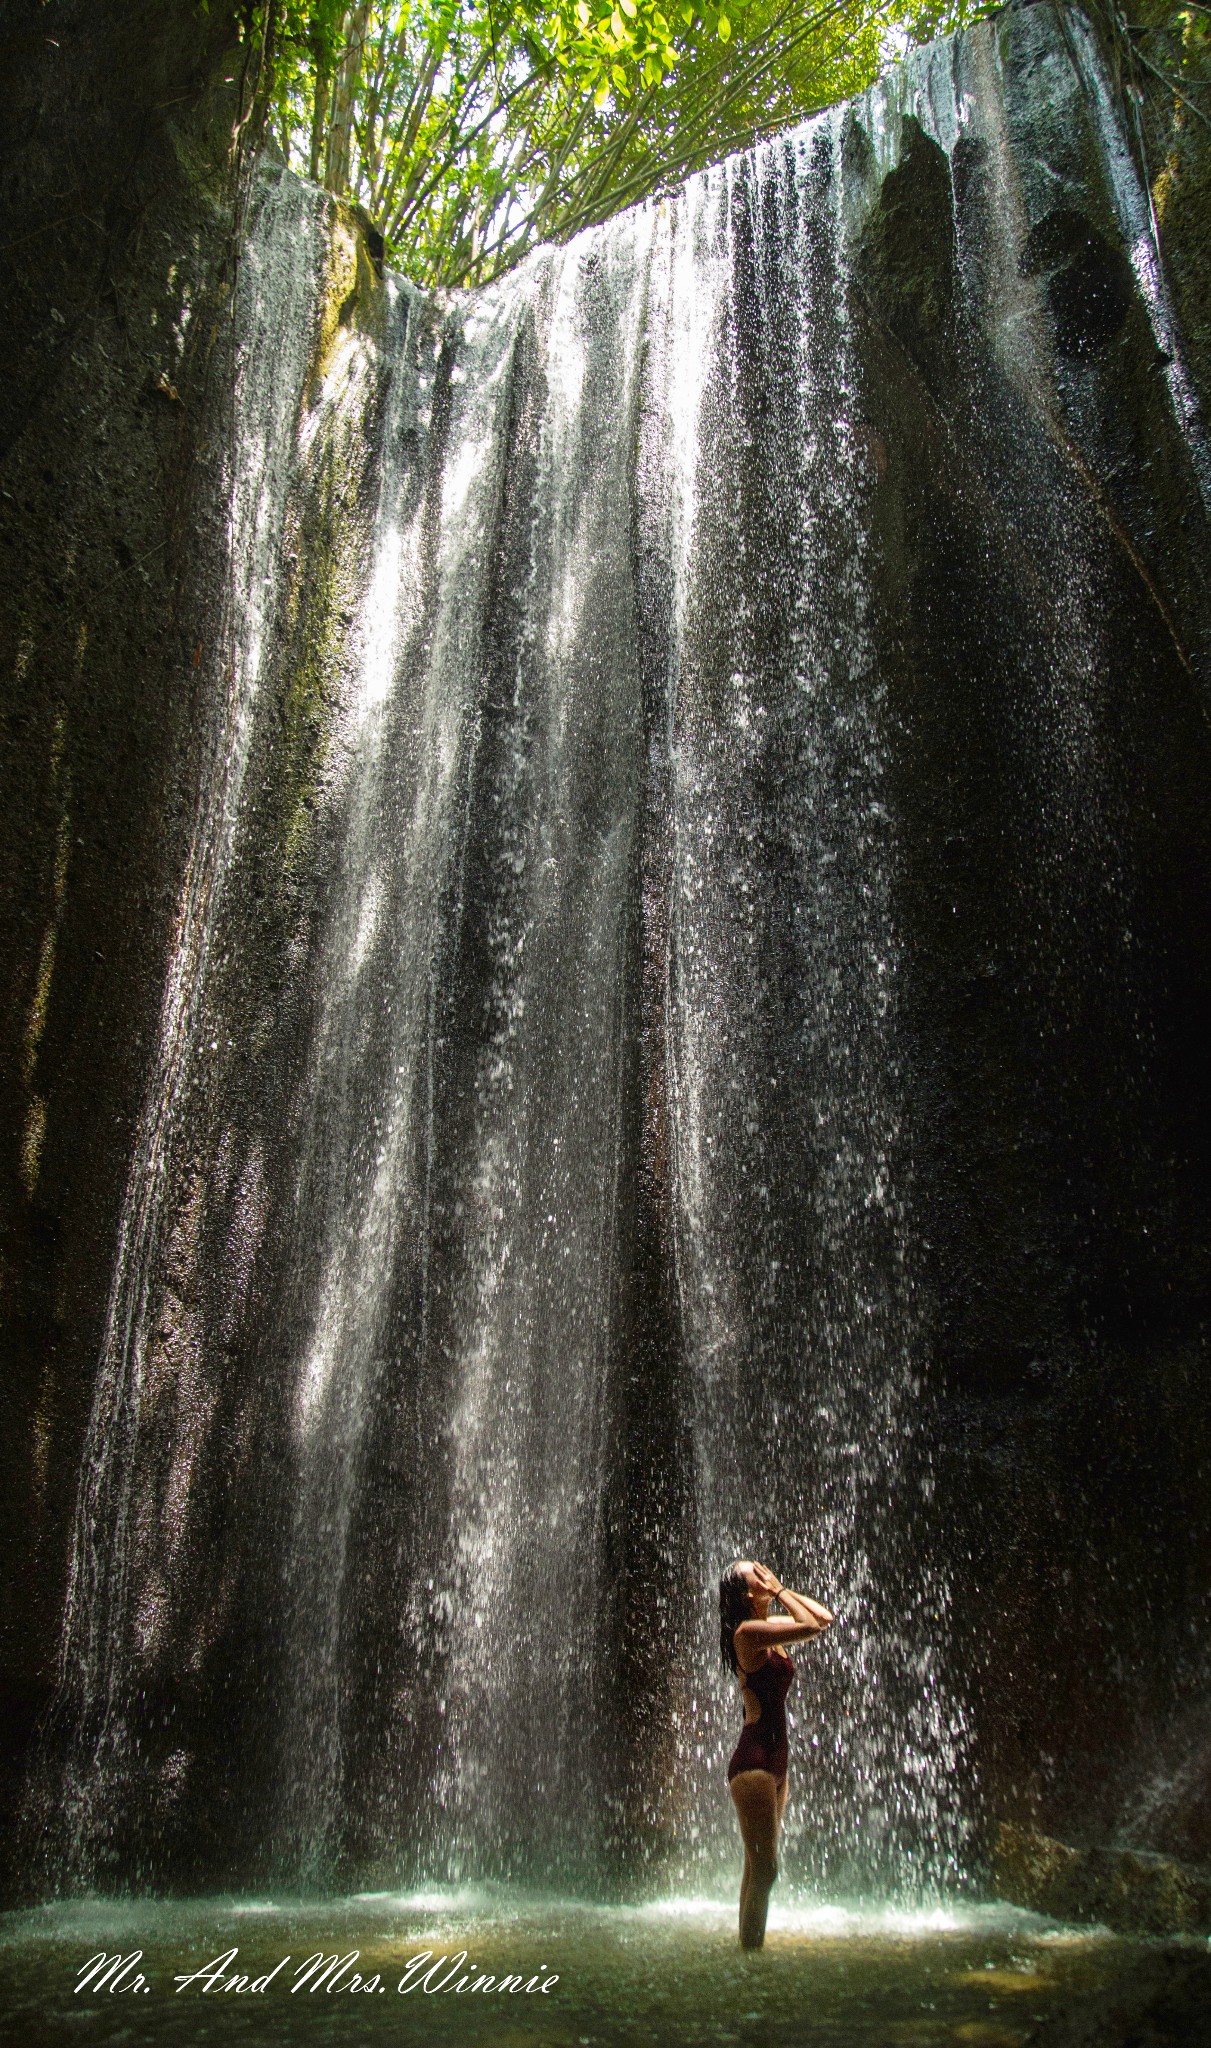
<point x="671" y="1972"/>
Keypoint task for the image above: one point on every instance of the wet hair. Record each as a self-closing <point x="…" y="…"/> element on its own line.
<point x="734" y="1607"/>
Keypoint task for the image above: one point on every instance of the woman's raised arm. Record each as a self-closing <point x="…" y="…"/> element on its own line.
<point x="804" y="1618"/>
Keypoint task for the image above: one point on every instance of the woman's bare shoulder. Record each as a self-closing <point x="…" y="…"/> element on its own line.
<point x="746" y="1670"/>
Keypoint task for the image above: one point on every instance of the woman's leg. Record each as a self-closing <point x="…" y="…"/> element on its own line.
<point x="758" y="1799"/>
<point x="746" y="1877"/>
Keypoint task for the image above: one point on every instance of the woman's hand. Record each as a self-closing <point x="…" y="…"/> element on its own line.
<point x="803" y="1609"/>
<point x="804" y="1618"/>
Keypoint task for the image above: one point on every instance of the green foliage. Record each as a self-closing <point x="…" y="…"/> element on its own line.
<point x="472" y="129"/>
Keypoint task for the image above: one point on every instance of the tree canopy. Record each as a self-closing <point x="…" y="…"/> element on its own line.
<point x="472" y="129"/>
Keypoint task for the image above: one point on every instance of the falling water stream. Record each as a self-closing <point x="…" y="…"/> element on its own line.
<point x="573" y="1244"/>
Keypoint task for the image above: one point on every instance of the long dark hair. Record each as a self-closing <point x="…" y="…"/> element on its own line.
<point x="734" y="1607"/>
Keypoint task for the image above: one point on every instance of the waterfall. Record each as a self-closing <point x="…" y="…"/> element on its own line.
<point x="793" y="1228"/>
<point x="527" y="1215"/>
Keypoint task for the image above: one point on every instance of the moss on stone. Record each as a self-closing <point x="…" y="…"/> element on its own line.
<point x="1182" y="197"/>
<point x="351" y="293"/>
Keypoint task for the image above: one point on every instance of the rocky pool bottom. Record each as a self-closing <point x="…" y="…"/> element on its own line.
<point x="669" y="1972"/>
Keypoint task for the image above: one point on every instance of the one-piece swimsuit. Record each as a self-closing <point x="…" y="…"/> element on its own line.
<point x="762" y="1745"/>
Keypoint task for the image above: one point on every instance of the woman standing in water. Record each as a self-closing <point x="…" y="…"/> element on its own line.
<point x="750" y="1641"/>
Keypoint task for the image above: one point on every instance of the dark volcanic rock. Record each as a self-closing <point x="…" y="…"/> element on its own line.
<point x="116" y="219"/>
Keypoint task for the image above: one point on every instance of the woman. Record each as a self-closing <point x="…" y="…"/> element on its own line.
<point x="751" y="1645"/>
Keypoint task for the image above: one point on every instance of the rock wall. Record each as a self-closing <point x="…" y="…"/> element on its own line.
<point x="116" y="218"/>
<point x="1058" y="955"/>
<point x="1128" y="1890"/>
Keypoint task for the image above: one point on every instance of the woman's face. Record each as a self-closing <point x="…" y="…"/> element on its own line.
<point x="758" y="1598"/>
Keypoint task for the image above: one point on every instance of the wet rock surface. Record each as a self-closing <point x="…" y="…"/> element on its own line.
<point x="117" y="226"/>
<point x="1125" y="1889"/>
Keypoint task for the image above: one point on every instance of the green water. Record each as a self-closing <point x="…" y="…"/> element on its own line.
<point x="974" y="1977"/>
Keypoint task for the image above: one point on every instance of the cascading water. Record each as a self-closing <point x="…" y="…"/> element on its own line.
<point x="793" y="1241"/>
<point x="544" y="1228"/>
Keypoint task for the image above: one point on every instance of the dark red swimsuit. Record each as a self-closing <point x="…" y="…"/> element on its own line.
<point x="762" y="1744"/>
